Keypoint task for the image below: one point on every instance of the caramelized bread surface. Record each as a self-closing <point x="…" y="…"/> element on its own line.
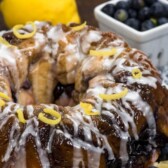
<point x="130" y="127"/>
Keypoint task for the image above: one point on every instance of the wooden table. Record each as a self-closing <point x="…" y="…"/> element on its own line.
<point x="85" y="8"/>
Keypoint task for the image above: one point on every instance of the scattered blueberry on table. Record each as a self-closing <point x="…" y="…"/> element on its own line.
<point x="141" y="15"/>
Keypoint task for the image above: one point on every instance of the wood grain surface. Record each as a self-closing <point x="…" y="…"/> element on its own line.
<point x="85" y="8"/>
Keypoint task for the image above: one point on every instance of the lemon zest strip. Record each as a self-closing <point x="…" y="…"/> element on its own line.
<point x="88" y="109"/>
<point x="24" y="36"/>
<point x="5" y="42"/>
<point x="110" y="52"/>
<point x="2" y="103"/>
<point x="136" y="73"/>
<point x="162" y="164"/>
<point x="46" y="120"/>
<point x="115" y="96"/>
<point x="4" y="96"/>
<point x="80" y="27"/>
<point x="21" y="116"/>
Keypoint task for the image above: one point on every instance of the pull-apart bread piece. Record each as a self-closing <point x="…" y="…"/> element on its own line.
<point x="73" y="96"/>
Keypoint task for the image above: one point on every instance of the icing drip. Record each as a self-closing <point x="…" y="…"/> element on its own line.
<point x="34" y="131"/>
<point x="77" y="145"/>
<point x="8" y="57"/>
<point x="17" y="142"/>
<point x="7" y="110"/>
<point x="136" y="100"/>
<point x="77" y="155"/>
<point x="93" y="160"/>
<point x="30" y="110"/>
<point x="49" y="145"/>
<point x="89" y="128"/>
<point x="12" y="140"/>
<point x="67" y="51"/>
<point x="92" y="36"/>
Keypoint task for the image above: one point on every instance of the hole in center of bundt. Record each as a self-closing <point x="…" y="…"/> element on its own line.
<point x="63" y="94"/>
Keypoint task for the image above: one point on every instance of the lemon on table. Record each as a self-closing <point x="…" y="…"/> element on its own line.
<point x="56" y="11"/>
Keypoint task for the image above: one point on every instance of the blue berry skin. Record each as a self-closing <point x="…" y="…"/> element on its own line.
<point x="144" y="13"/>
<point x="137" y="4"/>
<point x="132" y="13"/>
<point x="162" y="20"/>
<point x="164" y="153"/>
<point x="121" y="15"/>
<point x="150" y="2"/>
<point x="122" y="5"/>
<point x="109" y="9"/>
<point x="166" y="11"/>
<point x="141" y="15"/>
<point x="147" y="25"/>
<point x="134" y="23"/>
<point x="58" y="90"/>
<point x="157" y="10"/>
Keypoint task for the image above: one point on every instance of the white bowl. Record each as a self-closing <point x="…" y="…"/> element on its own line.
<point x="153" y="42"/>
<point x="164" y="1"/>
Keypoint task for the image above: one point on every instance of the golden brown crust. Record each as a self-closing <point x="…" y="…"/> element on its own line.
<point x="122" y="136"/>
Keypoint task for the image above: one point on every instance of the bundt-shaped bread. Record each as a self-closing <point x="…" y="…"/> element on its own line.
<point x="73" y="96"/>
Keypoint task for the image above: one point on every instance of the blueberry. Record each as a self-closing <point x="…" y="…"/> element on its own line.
<point x="157" y="9"/>
<point x="121" y="15"/>
<point x="26" y="84"/>
<point x="69" y="89"/>
<point x="122" y="5"/>
<point x="164" y="153"/>
<point x="59" y="89"/>
<point x="134" y="23"/>
<point x="150" y="2"/>
<point x="109" y="9"/>
<point x="144" y="14"/>
<point x="147" y="25"/>
<point x="162" y="20"/>
<point x="166" y="11"/>
<point x="132" y="13"/>
<point x="137" y="4"/>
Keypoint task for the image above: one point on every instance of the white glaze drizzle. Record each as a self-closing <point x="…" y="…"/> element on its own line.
<point x="30" y="110"/>
<point x="34" y="131"/>
<point x="12" y="140"/>
<point x="49" y="145"/>
<point x="77" y="55"/>
<point x="91" y="36"/>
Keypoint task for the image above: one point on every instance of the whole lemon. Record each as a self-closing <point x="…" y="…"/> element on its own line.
<point x="56" y="11"/>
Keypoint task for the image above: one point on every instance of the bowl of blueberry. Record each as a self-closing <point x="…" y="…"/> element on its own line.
<point x="143" y="23"/>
